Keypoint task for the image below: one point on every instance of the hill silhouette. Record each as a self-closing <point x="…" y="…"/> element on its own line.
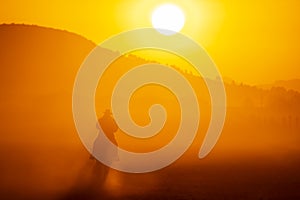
<point x="38" y="68"/>
<point x="293" y="84"/>
<point x="32" y="54"/>
<point x="39" y="142"/>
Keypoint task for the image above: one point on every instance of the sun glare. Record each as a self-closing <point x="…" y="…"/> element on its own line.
<point x="168" y="19"/>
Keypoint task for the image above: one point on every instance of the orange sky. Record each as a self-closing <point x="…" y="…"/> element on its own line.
<point x="250" y="41"/>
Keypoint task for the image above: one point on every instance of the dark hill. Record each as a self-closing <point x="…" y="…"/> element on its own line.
<point x="293" y="84"/>
<point x="35" y="58"/>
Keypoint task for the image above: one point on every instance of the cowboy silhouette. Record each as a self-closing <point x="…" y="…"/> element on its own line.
<point x="109" y="127"/>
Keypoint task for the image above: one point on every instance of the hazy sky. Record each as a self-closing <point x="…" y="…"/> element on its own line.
<point x="251" y="41"/>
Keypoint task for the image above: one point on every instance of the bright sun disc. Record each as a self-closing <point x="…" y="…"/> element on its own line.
<point x="168" y="19"/>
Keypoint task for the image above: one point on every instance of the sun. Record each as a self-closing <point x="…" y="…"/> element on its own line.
<point x="168" y="19"/>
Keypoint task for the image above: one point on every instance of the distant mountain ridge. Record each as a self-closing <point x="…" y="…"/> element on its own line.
<point x="36" y="58"/>
<point x="39" y="65"/>
<point x="293" y="84"/>
<point x="10" y="33"/>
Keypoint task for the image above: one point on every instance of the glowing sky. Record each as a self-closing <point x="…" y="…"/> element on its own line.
<point x="250" y="41"/>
